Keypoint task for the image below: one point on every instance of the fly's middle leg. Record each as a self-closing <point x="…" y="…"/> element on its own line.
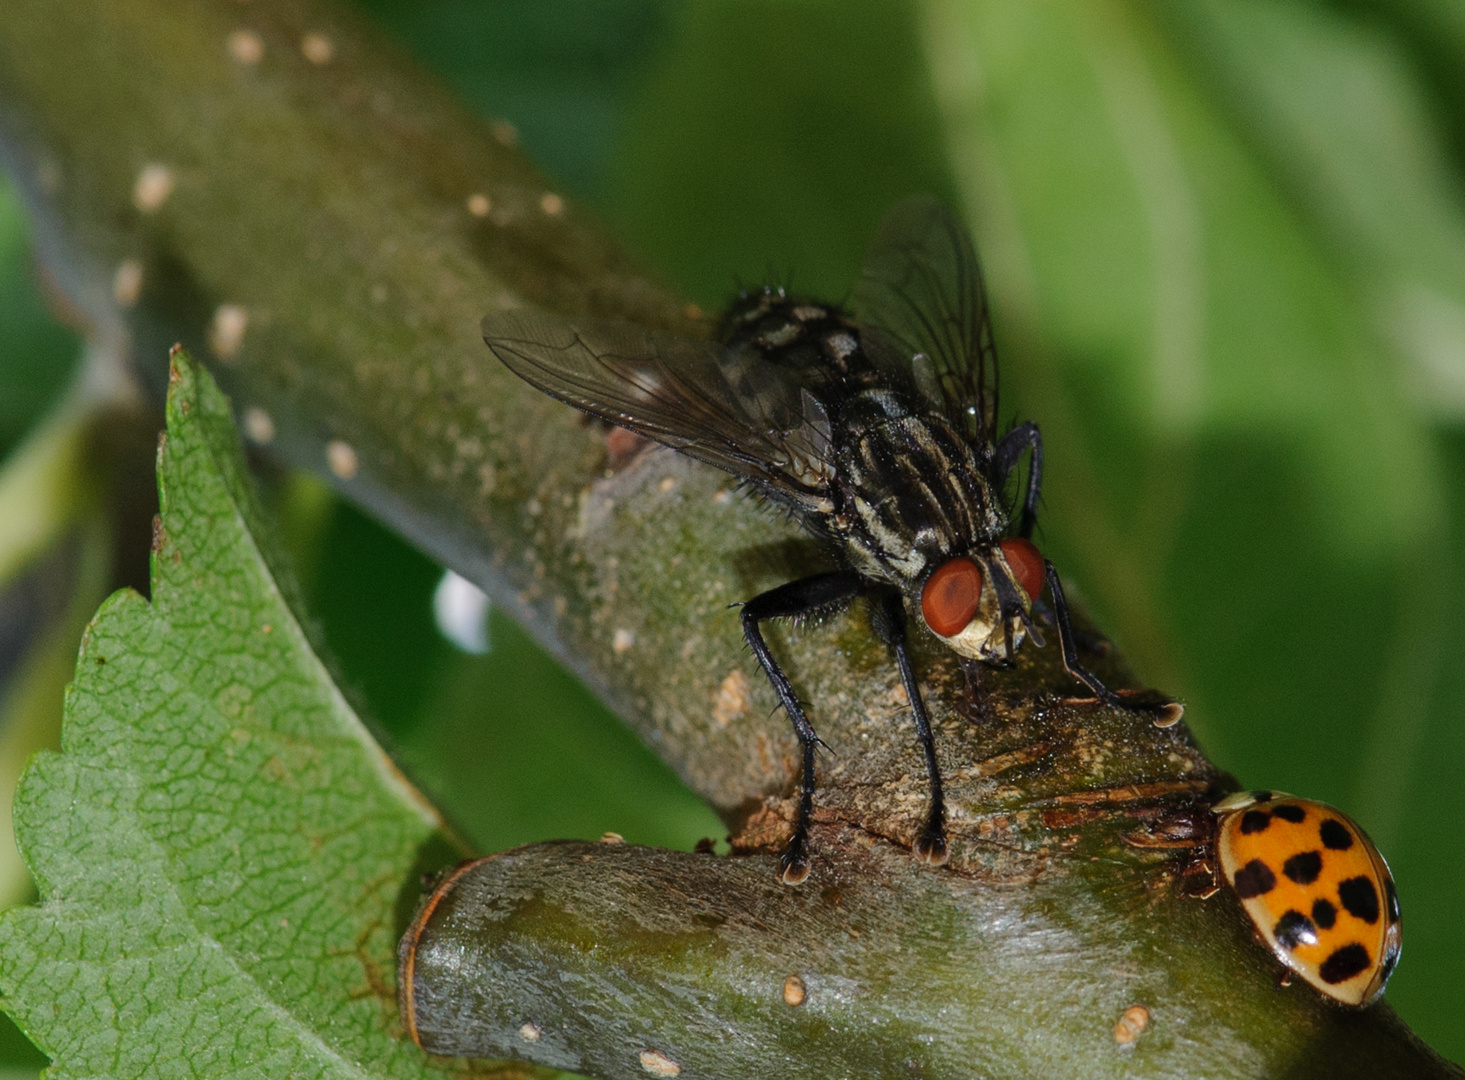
<point x="807" y="596"/>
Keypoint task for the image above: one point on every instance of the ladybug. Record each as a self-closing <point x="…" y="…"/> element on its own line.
<point x="1319" y="892"/>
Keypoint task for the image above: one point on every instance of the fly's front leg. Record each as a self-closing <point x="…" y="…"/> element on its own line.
<point x="807" y="596"/>
<point x="1163" y="713"/>
<point x="930" y="846"/>
<point x="1023" y="437"/>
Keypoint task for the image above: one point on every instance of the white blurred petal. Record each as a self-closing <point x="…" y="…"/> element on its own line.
<point x="461" y="610"/>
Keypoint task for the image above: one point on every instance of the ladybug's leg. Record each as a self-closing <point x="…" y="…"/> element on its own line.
<point x="1163" y="713"/>
<point x="890" y="624"/>
<point x="1023" y="437"/>
<point x="807" y="596"/>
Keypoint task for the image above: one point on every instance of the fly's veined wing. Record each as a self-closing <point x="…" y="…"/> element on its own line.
<point x="721" y="407"/>
<point x="921" y="291"/>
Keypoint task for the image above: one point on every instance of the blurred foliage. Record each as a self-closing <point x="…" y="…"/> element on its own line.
<point x="37" y="356"/>
<point x="1273" y="533"/>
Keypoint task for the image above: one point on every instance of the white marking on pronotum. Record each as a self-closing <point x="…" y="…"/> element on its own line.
<point x="777" y="339"/>
<point x="317" y="48"/>
<point x="152" y="187"/>
<point x="246" y="47"/>
<point x="226" y="332"/>
<point x="479" y="204"/>
<point x="460" y="609"/>
<point x="127" y="283"/>
<point x="341" y="458"/>
<point x="258" y="426"/>
<point x="841" y="344"/>
<point x="658" y="1064"/>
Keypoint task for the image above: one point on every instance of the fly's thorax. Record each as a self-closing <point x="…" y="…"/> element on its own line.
<point x="909" y="491"/>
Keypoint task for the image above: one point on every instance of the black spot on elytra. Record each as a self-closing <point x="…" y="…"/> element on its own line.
<point x="1360" y="899"/>
<point x="1262" y="796"/>
<point x="1294" y="929"/>
<point x="1304" y="868"/>
<point x="1255" y="821"/>
<point x="1344" y="963"/>
<point x="1391" y="897"/>
<point x="1324" y="914"/>
<point x="1292" y="813"/>
<point x="1254" y="879"/>
<point x="1335" y="836"/>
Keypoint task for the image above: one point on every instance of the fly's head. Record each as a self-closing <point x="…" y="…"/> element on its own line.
<point x="981" y="603"/>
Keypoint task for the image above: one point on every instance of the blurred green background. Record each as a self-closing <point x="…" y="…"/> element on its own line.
<point x="1226" y="246"/>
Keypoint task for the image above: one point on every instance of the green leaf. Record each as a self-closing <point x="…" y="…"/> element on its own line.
<point x="222" y="850"/>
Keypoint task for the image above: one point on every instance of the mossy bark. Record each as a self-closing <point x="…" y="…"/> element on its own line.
<point x="317" y="240"/>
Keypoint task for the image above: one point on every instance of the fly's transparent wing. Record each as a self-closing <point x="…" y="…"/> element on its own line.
<point x="724" y="408"/>
<point x="921" y="296"/>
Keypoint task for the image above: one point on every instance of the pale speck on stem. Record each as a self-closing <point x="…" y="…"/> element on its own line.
<point x="732" y="699"/>
<point x="479" y="204"/>
<point x="506" y="133"/>
<point x="530" y="1032"/>
<point x="127" y="283"/>
<point x="341" y="458"/>
<point x="658" y="1064"/>
<point x="246" y="48"/>
<point x="623" y="640"/>
<point x="154" y="183"/>
<point x="317" y="48"/>
<point x="258" y="426"/>
<point x="226" y="332"/>
<point x="1132" y="1024"/>
<point x="551" y="204"/>
<point x="612" y="838"/>
<point x="794" y="991"/>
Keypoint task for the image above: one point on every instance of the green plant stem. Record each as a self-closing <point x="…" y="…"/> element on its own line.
<point x="317" y="242"/>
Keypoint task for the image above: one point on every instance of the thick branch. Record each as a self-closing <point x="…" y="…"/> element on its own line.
<point x="328" y="204"/>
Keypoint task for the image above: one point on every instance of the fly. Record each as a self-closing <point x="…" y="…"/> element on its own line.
<point x="878" y="430"/>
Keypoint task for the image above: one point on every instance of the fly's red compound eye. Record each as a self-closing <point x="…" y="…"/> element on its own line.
<point x="1027" y="565"/>
<point x="951" y="596"/>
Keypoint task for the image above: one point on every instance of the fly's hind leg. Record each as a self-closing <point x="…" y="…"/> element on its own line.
<point x="930" y="846"/>
<point x="807" y="596"/>
<point x="1163" y="713"/>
